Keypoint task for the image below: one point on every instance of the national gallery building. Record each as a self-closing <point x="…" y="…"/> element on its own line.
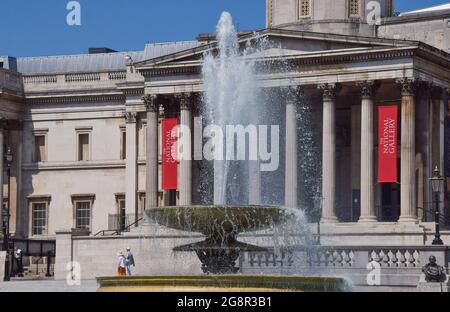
<point x="81" y="134"/>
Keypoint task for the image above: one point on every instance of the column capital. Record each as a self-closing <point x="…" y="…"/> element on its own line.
<point x="185" y="100"/>
<point x="151" y="102"/>
<point x="130" y="117"/>
<point x="293" y="93"/>
<point x="368" y="88"/>
<point x="329" y="90"/>
<point x="408" y="85"/>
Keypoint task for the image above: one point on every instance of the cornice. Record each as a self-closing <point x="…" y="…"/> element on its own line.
<point x="76" y="99"/>
<point x="323" y="58"/>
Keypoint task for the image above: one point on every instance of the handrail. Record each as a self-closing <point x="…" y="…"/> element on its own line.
<point x="128" y="228"/>
<point x="103" y="232"/>
<point x="118" y="232"/>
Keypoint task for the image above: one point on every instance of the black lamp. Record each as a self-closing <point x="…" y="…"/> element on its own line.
<point x="437" y="185"/>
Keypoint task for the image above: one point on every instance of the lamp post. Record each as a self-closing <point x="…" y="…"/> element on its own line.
<point x="437" y="184"/>
<point x="6" y="214"/>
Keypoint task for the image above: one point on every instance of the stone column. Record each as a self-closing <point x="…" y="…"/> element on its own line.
<point x="329" y="152"/>
<point x="152" y="187"/>
<point x="436" y="128"/>
<point x="408" y="211"/>
<point x="291" y="169"/>
<point x="254" y="191"/>
<point x="185" y="163"/>
<point x="131" y="168"/>
<point x="367" y="152"/>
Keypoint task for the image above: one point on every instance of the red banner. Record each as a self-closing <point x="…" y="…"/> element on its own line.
<point x="169" y="163"/>
<point x="387" y="144"/>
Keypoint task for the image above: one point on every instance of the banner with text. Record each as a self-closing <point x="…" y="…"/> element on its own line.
<point x="387" y="144"/>
<point x="169" y="163"/>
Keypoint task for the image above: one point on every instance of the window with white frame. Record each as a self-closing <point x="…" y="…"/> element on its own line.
<point x="83" y="211"/>
<point x="354" y="8"/>
<point x="304" y="7"/>
<point x="121" y="212"/>
<point x="39" y="218"/>
<point x="38" y="206"/>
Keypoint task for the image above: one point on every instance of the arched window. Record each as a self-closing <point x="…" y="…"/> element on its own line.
<point x="304" y="8"/>
<point x="354" y="8"/>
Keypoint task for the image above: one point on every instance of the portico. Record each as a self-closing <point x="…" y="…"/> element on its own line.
<point x="333" y="82"/>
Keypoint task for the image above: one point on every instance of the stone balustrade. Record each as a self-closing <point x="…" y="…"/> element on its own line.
<point x="399" y="266"/>
<point x="41" y="82"/>
<point x="10" y="80"/>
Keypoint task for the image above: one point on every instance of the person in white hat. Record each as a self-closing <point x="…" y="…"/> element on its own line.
<point x="121" y="265"/>
<point x="129" y="261"/>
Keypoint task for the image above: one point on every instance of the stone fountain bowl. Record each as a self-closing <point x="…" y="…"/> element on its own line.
<point x="223" y="283"/>
<point x="210" y="220"/>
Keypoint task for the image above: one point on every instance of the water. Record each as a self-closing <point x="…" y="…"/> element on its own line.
<point x="231" y="98"/>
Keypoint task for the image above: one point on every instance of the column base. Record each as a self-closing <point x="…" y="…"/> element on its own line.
<point x="367" y="219"/>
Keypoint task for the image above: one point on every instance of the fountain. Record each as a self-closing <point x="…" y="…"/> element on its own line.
<point x="220" y="224"/>
<point x="231" y="97"/>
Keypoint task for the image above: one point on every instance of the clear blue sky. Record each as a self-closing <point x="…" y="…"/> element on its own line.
<point x="38" y="27"/>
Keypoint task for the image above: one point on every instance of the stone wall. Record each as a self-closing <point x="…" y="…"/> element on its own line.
<point x="153" y="254"/>
<point x="431" y="28"/>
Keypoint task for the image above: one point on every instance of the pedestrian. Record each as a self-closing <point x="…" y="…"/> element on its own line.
<point x="121" y="265"/>
<point x="129" y="261"/>
<point x="18" y="256"/>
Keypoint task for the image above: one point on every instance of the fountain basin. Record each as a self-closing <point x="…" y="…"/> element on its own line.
<point x="223" y="283"/>
<point x="212" y="220"/>
<point x="220" y="224"/>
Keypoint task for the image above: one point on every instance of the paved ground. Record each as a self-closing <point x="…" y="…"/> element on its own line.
<point x="47" y="286"/>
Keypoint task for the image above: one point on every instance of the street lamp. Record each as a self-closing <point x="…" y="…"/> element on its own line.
<point x="437" y="184"/>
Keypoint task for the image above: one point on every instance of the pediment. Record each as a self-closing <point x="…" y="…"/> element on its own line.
<point x="283" y="43"/>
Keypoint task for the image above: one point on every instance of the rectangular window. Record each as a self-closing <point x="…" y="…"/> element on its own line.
<point x="304" y="8"/>
<point x="40" y="154"/>
<point x="123" y="145"/>
<point x="83" y="214"/>
<point x="38" y="218"/>
<point x="141" y="202"/>
<point x="83" y="147"/>
<point x="122" y="214"/>
<point x="354" y="8"/>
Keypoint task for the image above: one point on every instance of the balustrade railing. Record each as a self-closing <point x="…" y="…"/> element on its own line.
<point x="75" y="77"/>
<point x="339" y="257"/>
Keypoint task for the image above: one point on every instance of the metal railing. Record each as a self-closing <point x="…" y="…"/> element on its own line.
<point x="114" y="232"/>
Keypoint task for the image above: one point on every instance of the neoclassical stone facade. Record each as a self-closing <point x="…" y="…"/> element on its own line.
<point x="85" y="130"/>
